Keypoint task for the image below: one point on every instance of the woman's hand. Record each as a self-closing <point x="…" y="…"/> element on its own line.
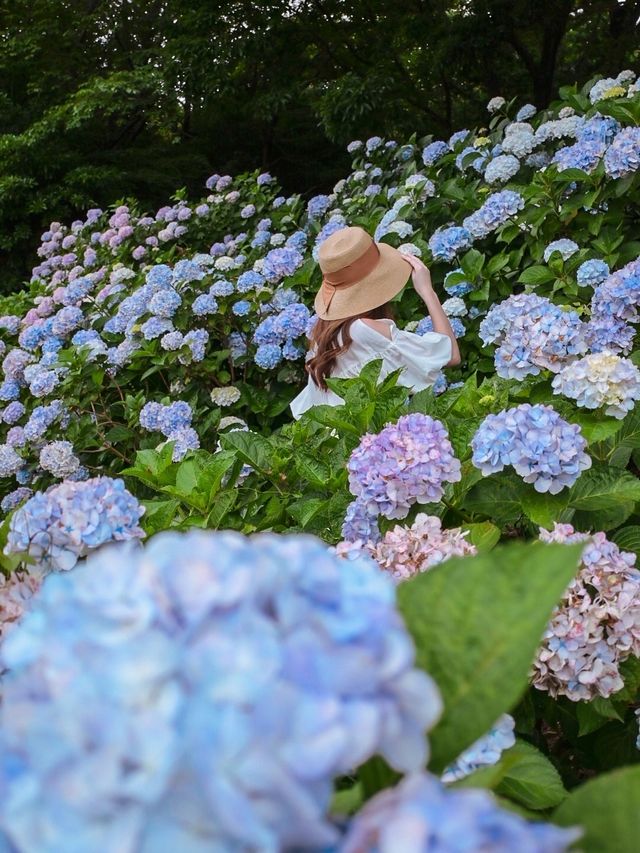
<point x="421" y="277"/>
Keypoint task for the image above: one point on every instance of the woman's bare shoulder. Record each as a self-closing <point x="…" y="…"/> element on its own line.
<point x="383" y="327"/>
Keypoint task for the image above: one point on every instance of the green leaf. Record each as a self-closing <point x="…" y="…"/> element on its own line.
<point x="531" y="780"/>
<point x="254" y="449"/>
<point x="627" y="538"/>
<point x="498" y="497"/>
<point x="543" y="509"/>
<point x="303" y="511"/>
<point x="486" y="615"/>
<point x="159" y="515"/>
<point x="604" y="498"/>
<point x="608" y="809"/>
<point x="313" y="470"/>
<point x="224" y="502"/>
<point x="187" y="478"/>
<point x="483" y="535"/>
<point x="536" y="275"/>
<point x="348" y="801"/>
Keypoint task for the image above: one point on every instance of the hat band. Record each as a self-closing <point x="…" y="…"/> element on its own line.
<point x="349" y="275"/>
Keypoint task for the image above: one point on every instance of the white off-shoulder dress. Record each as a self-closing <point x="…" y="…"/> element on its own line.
<point x="421" y="356"/>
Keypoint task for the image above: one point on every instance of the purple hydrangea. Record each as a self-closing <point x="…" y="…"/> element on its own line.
<point x="497" y="209"/>
<point x="58" y="527"/>
<point x="13" y="499"/>
<point x="219" y="683"/>
<point x="249" y="280"/>
<point x="281" y="263"/>
<point x="542" y="448"/>
<point x="585" y="155"/>
<point x="405" y="463"/>
<point x="13" y="412"/>
<point x="10" y="462"/>
<point x="59" y="459"/>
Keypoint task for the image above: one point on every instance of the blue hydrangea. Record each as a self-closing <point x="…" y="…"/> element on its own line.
<point x="618" y="296"/>
<point x="66" y="321"/>
<point x="222" y="287"/>
<point x="446" y="243"/>
<point x="459" y="289"/>
<point x="526" y="112"/>
<point x="497" y="209"/>
<point x="267" y="332"/>
<point x="58" y="527"/>
<point x="184" y="439"/>
<point x="44" y="382"/>
<point x="433" y="152"/>
<point x="318" y="206"/>
<point x="159" y="277"/>
<point x="292" y="321"/>
<point x="249" y="280"/>
<point x="10" y="461"/>
<point x="280" y="263"/>
<point x="430" y="818"/>
<point x="566" y="247"/>
<point x="485" y="752"/>
<point x="172" y="341"/>
<point x="260" y="239"/>
<point x="13" y="412"/>
<point x="457" y="137"/>
<point x="463" y="161"/>
<point x="237" y="345"/>
<point x="247" y="211"/>
<point x="373" y="143"/>
<point x="58" y="459"/>
<point x="186" y="271"/>
<point x="598" y="128"/>
<point x="196" y="340"/>
<point x="204" y="304"/>
<point x="501" y="169"/>
<point x="165" y="303"/>
<point x="13" y="499"/>
<point x="268" y="356"/>
<point x="542" y="448"/>
<point x="9" y="389"/>
<point x="41" y="418"/>
<point x="581" y="155"/>
<point x="604" y="332"/>
<point x="283" y="297"/>
<point x="622" y="157"/>
<point x="241" y="308"/>
<point x="154" y="327"/>
<point x="218" y="683"/>
<point x="298" y="240"/>
<point x="591" y="273"/>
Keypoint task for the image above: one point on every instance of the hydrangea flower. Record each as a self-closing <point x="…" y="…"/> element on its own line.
<point x="430" y="818"/>
<point x="219" y="683"/>
<point x="457" y="137"/>
<point x="496" y="104"/>
<point x="59" y="459"/>
<point x="281" y="263"/>
<point x="567" y="248"/>
<point x="15" y="498"/>
<point x="446" y="243"/>
<point x="318" y="206"/>
<point x="601" y="380"/>
<point x="497" y="209"/>
<point x="359" y="526"/>
<point x="10" y="461"/>
<point x="405" y="463"/>
<point x="225" y="396"/>
<point x="58" y="527"/>
<point x="596" y="626"/>
<point x="268" y="356"/>
<point x="485" y="752"/>
<point x="13" y="412"/>
<point x="241" y="308"/>
<point x="406" y="551"/>
<point x="433" y="152"/>
<point x="526" y="112"/>
<point x="501" y="169"/>
<point x="592" y="273"/>
<point x="622" y="157"/>
<point x="184" y="438"/>
<point x="541" y="447"/>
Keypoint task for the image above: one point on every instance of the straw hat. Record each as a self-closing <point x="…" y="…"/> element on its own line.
<point x="357" y="274"/>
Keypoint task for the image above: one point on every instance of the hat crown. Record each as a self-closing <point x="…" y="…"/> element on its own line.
<point x="342" y="248"/>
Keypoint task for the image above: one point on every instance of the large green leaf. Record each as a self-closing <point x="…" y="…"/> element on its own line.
<point x="531" y="780"/>
<point x="477" y="623"/>
<point x="604" y="498"/>
<point x="608" y="809"/>
<point x="498" y="497"/>
<point x="628" y="538"/>
<point x="254" y="449"/>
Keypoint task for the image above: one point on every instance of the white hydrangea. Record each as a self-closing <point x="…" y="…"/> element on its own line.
<point x="277" y="240"/>
<point x="601" y="379"/>
<point x="224" y="264"/>
<point x="565" y="112"/>
<point x="495" y="104"/>
<point x="232" y="420"/>
<point x="455" y="307"/>
<point x="401" y="228"/>
<point x="501" y="169"/>
<point x="519" y="142"/>
<point x="340" y="186"/>
<point x="559" y="128"/>
<point x="225" y="396"/>
<point x="410" y="249"/>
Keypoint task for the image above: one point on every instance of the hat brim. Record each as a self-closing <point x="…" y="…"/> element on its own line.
<point x="385" y="281"/>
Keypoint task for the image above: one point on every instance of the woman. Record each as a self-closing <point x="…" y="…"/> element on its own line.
<point x="354" y="324"/>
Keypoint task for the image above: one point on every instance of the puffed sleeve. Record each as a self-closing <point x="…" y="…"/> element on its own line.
<point x="422" y="357"/>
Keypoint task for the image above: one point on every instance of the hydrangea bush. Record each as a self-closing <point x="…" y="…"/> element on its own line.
<point x="145" y="377"/>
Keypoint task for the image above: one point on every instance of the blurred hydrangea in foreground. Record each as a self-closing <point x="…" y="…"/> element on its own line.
<point x="420" y="815"/>
<point x="58" y="527"/>
<point x="201" y="694"/>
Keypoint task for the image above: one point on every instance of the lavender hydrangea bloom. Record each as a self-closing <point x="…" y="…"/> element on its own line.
<point x="13" y="412"/>
<point x="280" y="263"/>
<point x="13" y="499"/>
<point x="591" y="273"/>
<point x="155" y="327"/>
<point x="66" y="321"/>
<point x="59" y="459"/>
<point x="222" y="287"/>
<point x="318" y="206"/>
<point x="359" y="524"/>
<point x="186" y="271"/>
<point x="405" y="463"/>
<point x="583" y="155"/>
<point x="498" y="208"/>
<point x="58" y="527"/>
<point x="165" y="303"/>
<point x="601" y="380"/>
<point x="597" y="624"/>
<point x="219" y="683"/>
<point x="184" y="439"/>
<point x="485" y="752"/>
<point x="249" y="280"/>
<point x="10" y="462"/>
<point x="446" y="243"/>
<point x="567" y="248"/>
<point x="542" y="448"/>
<point x="622" y="157"/>
<point x="426" y="817"/>
<point x="205" y="303"/>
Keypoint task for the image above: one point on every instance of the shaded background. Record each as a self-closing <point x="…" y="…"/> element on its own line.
<point x="103" y="100"/>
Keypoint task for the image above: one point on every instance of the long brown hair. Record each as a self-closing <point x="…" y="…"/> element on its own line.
<point x="331" y="338"/>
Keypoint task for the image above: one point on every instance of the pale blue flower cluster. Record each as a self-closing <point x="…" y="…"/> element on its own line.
<point x="585" y="155"/>
<point x="565" y="247"/>
<point x="497" y="209"/>
<point x="10" y="461"/>
<point x="526" y="112"/>
<point x="58" y="527"/>
<point x="461" y="288"/>
<point x="174" y="422"/>
<point x="615" y="304"/>
<point x="622" y="157"/>
<point x="433" y="152"/>
<point x="427" y="817"/>
<point x="501" y="169"/>
<point x="406" y="463"/>
<point x="532" y="333"/>
<point x="202" y="693"/>
<point x="591" y="273"/>
<point x="542" y="448"/>
<point x="59" y="459"/>
<point x="318" y="206"/>
<point x="280" y="263"/>
<point x="485" y="752"/>
<point x="447" y="243"/>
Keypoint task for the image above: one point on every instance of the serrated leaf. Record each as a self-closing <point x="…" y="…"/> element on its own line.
<point x="599" y="489"/>
<point x="608" y="810"/>
<point x="543" y="509"/>
<point x="252" y="448"/>
<point x="486" y="615"/>
<point x="303" y="511"/>
<point x="224" y="501"/>
<point x="531" y="780"/>
<point x="536" y="275"/>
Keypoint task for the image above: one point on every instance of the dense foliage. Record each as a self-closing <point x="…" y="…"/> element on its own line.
<point x="165" y="350"/>
<point x="103" y="101"/>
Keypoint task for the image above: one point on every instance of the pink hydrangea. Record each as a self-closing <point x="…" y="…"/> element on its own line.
<point x="15" y="593"/>
<point x="596" y="626"/>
